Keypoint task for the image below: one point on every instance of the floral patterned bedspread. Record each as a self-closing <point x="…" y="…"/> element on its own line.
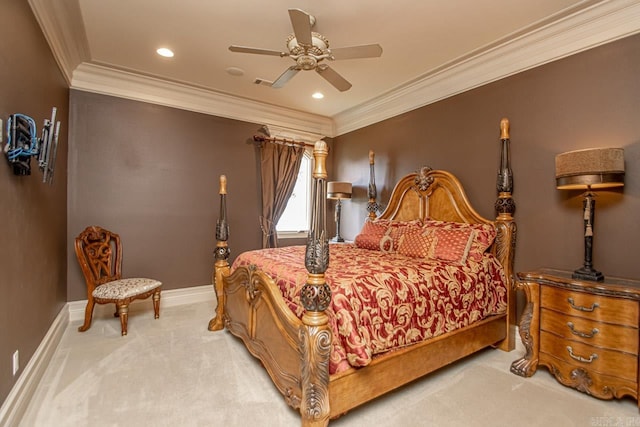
<point x="383" y="301"/>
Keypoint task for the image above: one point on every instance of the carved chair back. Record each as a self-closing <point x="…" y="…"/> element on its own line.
<point x="100" y="254"/>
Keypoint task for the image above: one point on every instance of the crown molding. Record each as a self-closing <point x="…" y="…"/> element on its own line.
<point x="62" y="26"/>
<point x="601" y="23"/>
<point x="286" y="133"/>
<point x="124" y="84"/>
<point x="597" y="25"/>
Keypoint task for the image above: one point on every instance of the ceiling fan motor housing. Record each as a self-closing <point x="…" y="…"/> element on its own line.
<point x="319" y="45"/>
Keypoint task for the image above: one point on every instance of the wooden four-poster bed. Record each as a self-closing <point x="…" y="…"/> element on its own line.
<point x="426" y="283"/>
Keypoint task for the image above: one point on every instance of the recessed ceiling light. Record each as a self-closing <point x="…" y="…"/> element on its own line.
<point x="318" y="95"/>
<point x="235" y="71"/>
<point x="163" y="51"/>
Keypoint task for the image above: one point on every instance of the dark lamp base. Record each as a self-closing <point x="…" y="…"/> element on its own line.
<point x="588" y="274"/>
<point x="337" y="239"/>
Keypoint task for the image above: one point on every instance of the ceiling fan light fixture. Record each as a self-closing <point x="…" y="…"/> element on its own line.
<point x="307" y="62"/>
<point x="165" y="52"/>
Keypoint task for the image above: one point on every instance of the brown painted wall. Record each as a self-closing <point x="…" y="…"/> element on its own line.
<point x="151" y="174"/>
<point x="591" y="99"/>
<point x="33" y="240"/>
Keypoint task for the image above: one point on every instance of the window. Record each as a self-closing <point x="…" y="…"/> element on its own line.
<point x="294" y="221"/>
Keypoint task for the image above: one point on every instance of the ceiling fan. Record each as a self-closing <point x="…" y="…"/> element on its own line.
<point x="309" y="50"/>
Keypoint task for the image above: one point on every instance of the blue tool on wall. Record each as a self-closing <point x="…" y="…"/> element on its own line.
<point x="23" y="144"/>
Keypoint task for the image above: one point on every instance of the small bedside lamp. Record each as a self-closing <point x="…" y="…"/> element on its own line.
<point x="337" y="191"/>
<point x="588" y="170"/>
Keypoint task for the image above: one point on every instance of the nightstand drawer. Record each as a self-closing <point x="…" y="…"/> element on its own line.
<point x="596" y="384"/>
<point x="595" y="307"/>
<point x="607" y="335"/>
<point x="596" y="359"/>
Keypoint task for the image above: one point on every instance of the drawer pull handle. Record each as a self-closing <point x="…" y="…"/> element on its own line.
<point x="581" y="308"/>
<point x="582" y="334"/>
<point x="580" y="358"/>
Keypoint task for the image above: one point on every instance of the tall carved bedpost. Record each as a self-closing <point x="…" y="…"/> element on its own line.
<point x="315" y="335"/>
<point x="372" y="205"/>
<point x="221" y="266"/>
<point x="506" y="228"/>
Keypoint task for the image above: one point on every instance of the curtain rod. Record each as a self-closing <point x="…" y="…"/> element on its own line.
<point x="283" y="141"/>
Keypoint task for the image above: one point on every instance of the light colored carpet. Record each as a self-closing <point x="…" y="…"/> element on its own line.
<point x="174" y="372"/>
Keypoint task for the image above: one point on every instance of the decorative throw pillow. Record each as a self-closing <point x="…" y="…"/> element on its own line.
<point x="370" y="236"/>
<point x="452" y="245"/>
<point x="417" y="244"/>
<point x="482" y="238"/>
<point x="397" y="229"/>
<point x="384" y="234"/>
<point x="485" y="234"/>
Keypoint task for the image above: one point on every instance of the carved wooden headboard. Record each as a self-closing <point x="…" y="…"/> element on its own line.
<point x="433" y="194"/>
<point x="437" y="194"/>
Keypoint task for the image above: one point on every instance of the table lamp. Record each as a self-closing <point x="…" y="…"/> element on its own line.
<point x="337" y="190"/>
<point x="590" y="169"/>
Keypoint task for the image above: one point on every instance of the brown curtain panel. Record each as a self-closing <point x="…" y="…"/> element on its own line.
<point x="280" y="165"/>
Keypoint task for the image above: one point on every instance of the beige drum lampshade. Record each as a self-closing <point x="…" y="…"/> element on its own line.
<point x="339" y="190"/>
<point x="591" y="168"/>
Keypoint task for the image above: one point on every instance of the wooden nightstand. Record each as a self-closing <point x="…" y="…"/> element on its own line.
<point x="586" y="333"/>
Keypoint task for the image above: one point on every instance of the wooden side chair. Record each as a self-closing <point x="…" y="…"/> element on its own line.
<point x="99" y="253"/>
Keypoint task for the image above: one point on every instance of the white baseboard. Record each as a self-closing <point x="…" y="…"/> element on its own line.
<point x="169" y="298"/>
<point x="16" y="403"/>
<point x="20" y="395"/>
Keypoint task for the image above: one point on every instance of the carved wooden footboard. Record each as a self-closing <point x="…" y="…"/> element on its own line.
<point x="295" y="351"/>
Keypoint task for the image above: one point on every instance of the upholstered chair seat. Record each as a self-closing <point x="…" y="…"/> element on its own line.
<point x="125" y="288"/>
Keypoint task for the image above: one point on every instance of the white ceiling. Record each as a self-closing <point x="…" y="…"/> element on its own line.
<point x="431" y="49"/>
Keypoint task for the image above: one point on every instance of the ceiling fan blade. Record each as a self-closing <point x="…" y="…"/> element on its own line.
<point x="353" y="52"/>
<point x="301" y="23"/>
<point x="330" y="75"/>
<point x="285" y="77"/>
<point x="256" y="50"/>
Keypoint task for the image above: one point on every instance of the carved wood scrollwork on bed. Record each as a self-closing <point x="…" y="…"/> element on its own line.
<point x="296" y="350"/>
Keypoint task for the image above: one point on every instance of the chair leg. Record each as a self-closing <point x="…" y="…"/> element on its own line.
<point x="123" y="313"/>
<point x="156" y="304"/>
<point x="88" y="314"/>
